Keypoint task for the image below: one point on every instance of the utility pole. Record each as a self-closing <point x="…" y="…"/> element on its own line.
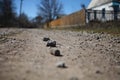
<point x="21" y="3"/>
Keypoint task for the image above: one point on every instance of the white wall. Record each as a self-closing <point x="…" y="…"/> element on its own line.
<point x="106" y="6"/>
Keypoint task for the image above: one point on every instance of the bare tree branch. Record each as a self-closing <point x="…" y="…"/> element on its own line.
<point x="49" y="9"/>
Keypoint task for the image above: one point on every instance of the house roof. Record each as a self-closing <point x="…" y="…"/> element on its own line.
<point x="95" y="3"/>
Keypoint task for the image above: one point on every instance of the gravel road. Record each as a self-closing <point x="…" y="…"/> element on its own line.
<point x="88" y="56"/>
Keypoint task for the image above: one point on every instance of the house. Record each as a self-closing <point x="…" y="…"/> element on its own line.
<point x="103" y="10"/>
<point x="97" y="10"/>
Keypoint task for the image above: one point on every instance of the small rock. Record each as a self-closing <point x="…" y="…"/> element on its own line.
<point x="98" y="38"/>
<point x="0" y="53"/>
<point x="55" y="52"/>
<point x="46" y="39"/>
<point x="118" y="63"/>
<point x="118" y="73"/>
<point x="118" y="41"/>
<point x="79" y="56"/>
<point x="51" y="44"/>
<point x="98" y="72"/>
<point x="14" y="39"/>
<point x="61" y="65"/>
<point x="102" y="32"/>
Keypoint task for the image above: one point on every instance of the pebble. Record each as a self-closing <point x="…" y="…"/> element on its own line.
<point x="55" y="52"/>
<point x="118" y="73"/>
<point x="51" y="44"/>
<point x="46" y="39"/>
<point x="118" y="42"/>
<point x="98" y="72"/>
<point x="98" y="38"/>
<point x="61" y="65"/>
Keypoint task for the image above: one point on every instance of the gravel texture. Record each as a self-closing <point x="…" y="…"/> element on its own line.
<point x="89" y="56"/>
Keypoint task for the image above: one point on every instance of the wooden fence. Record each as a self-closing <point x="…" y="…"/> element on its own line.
<point x="84" y="16"/>
<point x="77" y="18"/>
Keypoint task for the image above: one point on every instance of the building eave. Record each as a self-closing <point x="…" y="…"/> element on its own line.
<point x="104" y="4"/>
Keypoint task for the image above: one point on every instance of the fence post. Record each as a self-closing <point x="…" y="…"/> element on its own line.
<point x="85" y="12"/>
<point x="95" y="14"/>
<point x="103" y="13"/>
<point x="87" y="16"/>
<point x="116" y="9"/>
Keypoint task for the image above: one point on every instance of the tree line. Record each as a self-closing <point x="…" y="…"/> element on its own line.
<point x="48" y="10"/>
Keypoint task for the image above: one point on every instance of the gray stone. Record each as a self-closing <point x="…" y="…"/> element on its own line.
<point x="55" y="52"/>
<point x="51" y="44"/>
<point x="46" y="39"/>
<point x="61" y="65"/>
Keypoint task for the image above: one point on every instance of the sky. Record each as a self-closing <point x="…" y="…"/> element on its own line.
<point x="30" y="6"/>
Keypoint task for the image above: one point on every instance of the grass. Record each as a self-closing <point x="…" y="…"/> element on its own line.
<point x="111" y="27"/>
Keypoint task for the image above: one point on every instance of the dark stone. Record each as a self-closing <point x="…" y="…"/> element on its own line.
<point x="55" y="52"/>
<point x="98" y="38"/>
<point x="118" y="73"/>
<point x="14" y="39"/>
<point x="46" y="39"/>
<point x="118" y="42"/>
<point x="51" y="44"/>
<point x="98" y="72"/>
<point x="0" y="53"/>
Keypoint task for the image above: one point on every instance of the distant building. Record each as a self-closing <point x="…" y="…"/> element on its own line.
<point x="97" y="10"/>
<point x="103" y="10"/>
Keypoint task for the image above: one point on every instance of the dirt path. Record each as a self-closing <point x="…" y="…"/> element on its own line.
<point x="88" y="56"/>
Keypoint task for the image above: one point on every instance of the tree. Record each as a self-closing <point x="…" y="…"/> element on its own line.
<point x="7" y="12"/>
<point x="83" y="6"/>
<point x="0" y="6"/>
<point x="36" y="22"/>
<point x="49" y="10"/>
<point x="24" y="21"/>
<point x="1" y="12"/>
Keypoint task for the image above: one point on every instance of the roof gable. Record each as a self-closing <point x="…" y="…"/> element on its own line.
<point x="95" y="3"/>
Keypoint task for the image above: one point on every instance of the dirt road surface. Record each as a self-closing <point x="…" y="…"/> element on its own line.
<point x="88" y="56"/>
